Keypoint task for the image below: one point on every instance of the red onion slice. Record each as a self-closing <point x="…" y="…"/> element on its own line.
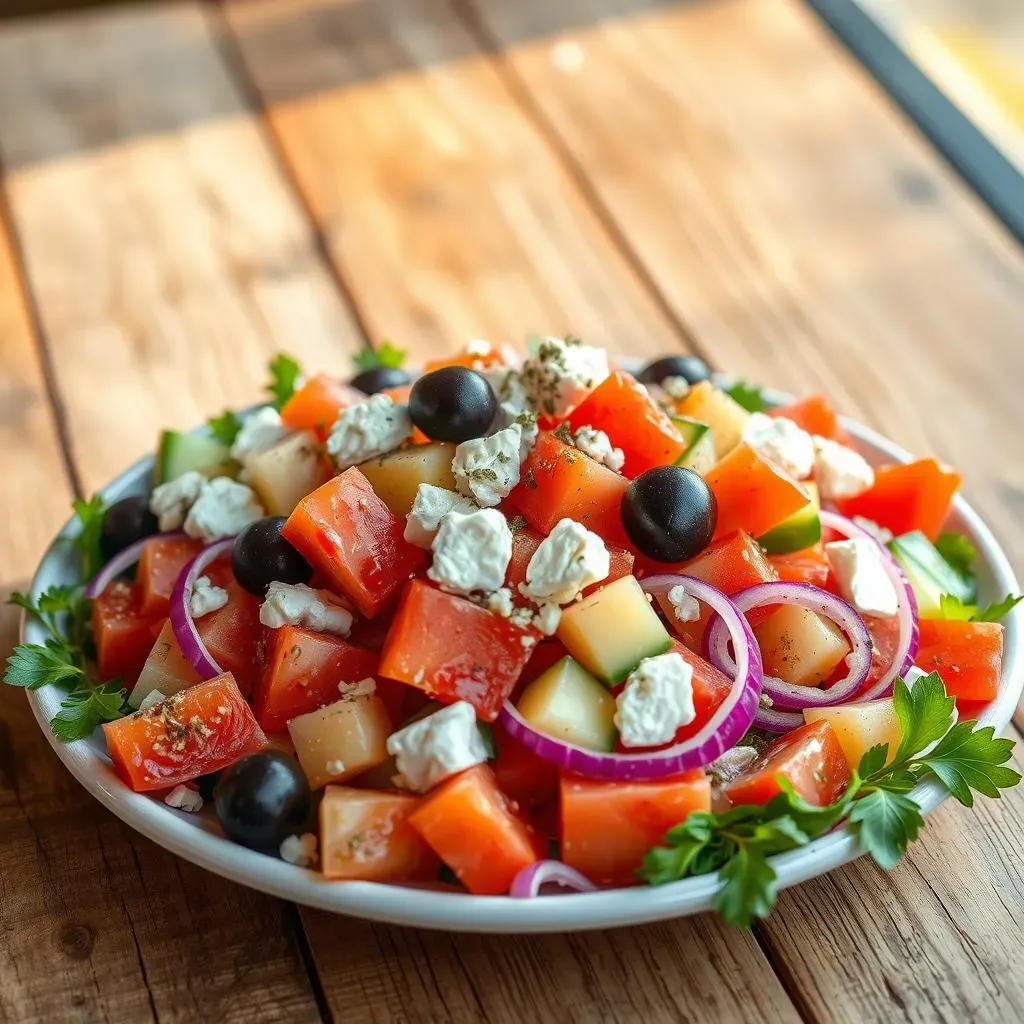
<point x="527" y="884"/>
<point x="789" y="695"/>
<point x="120" y="563"/>
<point x="909" y="636"/>
<point x="777" y="721"/>
<point x="182" y="623"/>
<point x="722" y="731"/>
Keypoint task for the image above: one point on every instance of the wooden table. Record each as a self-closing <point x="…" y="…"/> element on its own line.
<point x="189" y="188"/>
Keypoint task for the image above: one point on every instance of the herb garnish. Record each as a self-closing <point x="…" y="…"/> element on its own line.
<point x="749" y="396"/>
<point x="225" y="427"/>
<point x="385" y="355"/>
<point x="90" y="516"/>
<point x="952" y="608"/>
<point x="285" y="374"/>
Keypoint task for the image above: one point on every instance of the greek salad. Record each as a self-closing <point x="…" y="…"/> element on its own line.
<point x="529" y="621"/>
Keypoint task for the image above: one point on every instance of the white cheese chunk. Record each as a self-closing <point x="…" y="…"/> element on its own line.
<point x="562" y="373"/>
<point x="437" y="747"/>
<point x="684" y="607"/>
<point x="259" y="431"/>
<point x="487" y="468"/>
<point x="184" y="798"/>
<point x="548" y="616"/>
<point x="295" y="604"/>
<point x="222" y="509"/>
<point x="171" y="501"/>
<point x="368" y="430"/>
<point x="471" y="552"/>
<point x="655" y="702"/>
<point x="570" y="558"/>
<point x="782" y="441"/>
<point x="860" y="574"/>
<point x="676" y="387"/>
<point x="429" y="507"/>
<point x="598" y="446"/>
<point x="300" y="850"/>
<point x="840" y="472"/>
<point x="500" y="602"/>
<point x="205" y="598"/>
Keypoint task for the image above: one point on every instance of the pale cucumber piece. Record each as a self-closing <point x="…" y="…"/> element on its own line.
<point x="613" y="630"/>
<point x="396" y="477"/>
<point x="799" y="531"/>
<point x="859" y="727"/>
<point x="700" y="444"/>
<point x="725" y="416"/>
<point x="283" y="474"/>
<point x="929" y="574"/>
<point x="178" y="453"/>
<point x="800" y="646"/>
<point x="165" y="670"/>
<point x="568" y="704"/>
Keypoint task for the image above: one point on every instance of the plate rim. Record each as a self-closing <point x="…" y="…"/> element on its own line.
<point x="463" y="912"/>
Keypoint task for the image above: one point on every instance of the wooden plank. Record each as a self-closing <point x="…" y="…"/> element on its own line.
<point x="815" y="244"/>
<point x="165" y="265"/>
<point x="449" y="219"/>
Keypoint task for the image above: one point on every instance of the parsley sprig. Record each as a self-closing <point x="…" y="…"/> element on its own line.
<point x="386" y="355"/>
<point x="749" y="396"/>
<point x="225" y="427"/>
<point x="90" y="515"/>
<point x="966" y="759"/>
<point x="285" y="375"/>
<point x="63" y="660"/>
<point x="952" y="608"/>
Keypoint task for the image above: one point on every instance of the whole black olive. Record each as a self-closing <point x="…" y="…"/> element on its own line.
<point x="261" y="556"/>
<point x="669" y="513"/>
<point x="370" y="382"/>
<point x="452" y="404"/>
<point x="692" y="369"/>
<point x="126" y="521"/>
<point x="262" y="799"/>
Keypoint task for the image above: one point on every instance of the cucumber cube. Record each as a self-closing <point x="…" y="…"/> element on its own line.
<point x="568" y="704"/>
<point x="799" y="531"/>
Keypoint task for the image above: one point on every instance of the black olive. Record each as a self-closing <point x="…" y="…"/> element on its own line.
<point x="692" y="369"/>
<point x="261" y="556"/>
<point x="669" y="513"/>
<point x="452" y="404"/>
<point x="262" y="800"/>
<point x="370" y="382"/>
<point x="125" y="522"/>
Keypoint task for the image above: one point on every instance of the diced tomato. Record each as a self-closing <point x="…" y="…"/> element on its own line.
<point x="558" y="481"/>
<point x="454" y="650"/>
<point x="730" y="564"/>
<point x="202" y="729"/>
<point x="967" y="655"/>
<point x="916" y="496"/>
<point x="123" y="634"/>
<point x="356" y="542"/>
<point x="366" y="834"/>
<point x="232" y="635"/>
<point x="809" y="757"/>
<point x="315" y="406"/>
<point x="625" y="411"/>
<point x="753" y="493"/>
<point x="302" y="673"/>
<point x="162" y="562"/>
<point x="816" y="415"/>
<point x="607" y="827"/>
<point x="807" y="566"/>
<point x="522" y="775"/>
<point x="472" y="827"/>
<point x="885" y="636"/>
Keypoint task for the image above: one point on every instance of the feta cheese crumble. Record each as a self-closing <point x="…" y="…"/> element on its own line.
<point x="368" y="430"/>
<point x="300" y="850"/>
<point x="500" y="602"/>
<point x="295" y="604"/>
<point x="171" y="501"/>
<point x="570" y="558"/>
<point x="471" y="552"/>
<point x="676" y="387"/>
<point x="361" y="688"/>
<point x="684" y="607"/>
<point x="184" y="798"/>
<point x="259" y="430"/>
<point x="436" y="747"/>
<point x="548" y="616"/>
<point x="598" y="446"/>
<point x="840" y="471"/>
<point x="656" y="701"/>
<point x="429" y="507"/>
<point x="222" y="509"/>
<point x="487" y="468"/>
<point x="861" y="576"/>
<point x="562" y="373"/>
<point x="782" y="441"/>
<point x="205" y="598"/>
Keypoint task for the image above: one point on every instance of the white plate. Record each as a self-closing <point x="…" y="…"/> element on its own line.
<point x="198" y="839"/>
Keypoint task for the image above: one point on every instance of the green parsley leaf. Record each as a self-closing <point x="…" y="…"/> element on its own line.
<point x="90" y="517"/>
<point x="225" y="427"/>
<point x="284" y="379"/>
<point x="968" y="758"/>
<point x="84" y="709"/>
<point x="35" y="665"/>
<point x="750" y="396"/>
<point x="885" y="824"/>
<point x="953" y="609"/>
<point x="924" y="712"/>
<point x="748" y="888"/>
<point x="998" y="610"/>
<point x="384" y="355"/>
<point x="873" y="760"/>
<point x="958" y="551"/>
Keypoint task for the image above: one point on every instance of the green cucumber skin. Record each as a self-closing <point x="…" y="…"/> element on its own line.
<point x="179" y="453"/>
<point x="918" y="557"/>
<point x="784" y="540"/>
<point x="620" y="674"/>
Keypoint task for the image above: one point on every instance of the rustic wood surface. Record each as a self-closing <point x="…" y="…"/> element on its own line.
<point x="190" y="187"/>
